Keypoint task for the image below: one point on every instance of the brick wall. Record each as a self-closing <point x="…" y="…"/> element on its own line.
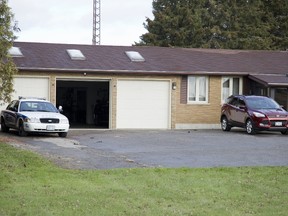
<point x="201" y="113"/>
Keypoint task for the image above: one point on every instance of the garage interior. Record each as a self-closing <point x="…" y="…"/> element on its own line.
<point x="85" y="103"/>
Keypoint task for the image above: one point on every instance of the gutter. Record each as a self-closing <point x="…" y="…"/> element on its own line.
<point x="133" y="71"/>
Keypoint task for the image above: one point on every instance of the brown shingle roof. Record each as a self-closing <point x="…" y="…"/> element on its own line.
<point x="48" y="57"/>
<point x="271" y="80"/>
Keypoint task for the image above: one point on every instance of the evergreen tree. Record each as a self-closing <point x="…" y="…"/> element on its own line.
<point x="230" y="24"/>
<point x="278" y="12"/>
<point x="7" y="67"/>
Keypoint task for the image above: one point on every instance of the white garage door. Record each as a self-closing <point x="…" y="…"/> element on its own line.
<point x="143" y="104"/>
<point x="30" y="87"/>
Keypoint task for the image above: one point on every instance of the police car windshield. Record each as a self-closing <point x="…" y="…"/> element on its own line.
<point x="37" y="106"/>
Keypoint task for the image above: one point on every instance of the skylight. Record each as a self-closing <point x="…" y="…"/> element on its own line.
<point x="135" y="56"/>
<point x="15" y="52"/>
<point x="75" y="54"/>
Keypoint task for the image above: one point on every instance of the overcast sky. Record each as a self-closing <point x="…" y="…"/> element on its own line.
<point x="71" y="21"/>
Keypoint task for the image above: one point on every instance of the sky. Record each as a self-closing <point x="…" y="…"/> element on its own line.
<point x="71" y="21"/>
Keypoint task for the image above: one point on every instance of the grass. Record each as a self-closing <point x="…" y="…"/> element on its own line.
<point x="31" y="185"/>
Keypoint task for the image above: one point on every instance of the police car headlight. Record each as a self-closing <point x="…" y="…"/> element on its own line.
<point x="64" y="121"/>
<point x="32" y="120"/>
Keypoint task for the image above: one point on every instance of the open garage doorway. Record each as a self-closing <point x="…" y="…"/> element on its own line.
<point x="85" y="103"/>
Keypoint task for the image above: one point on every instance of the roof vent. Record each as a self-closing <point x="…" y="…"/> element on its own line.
<point x="135" y="56"/>
<point x="75" y="54"/>
<point x="15" y="52"/>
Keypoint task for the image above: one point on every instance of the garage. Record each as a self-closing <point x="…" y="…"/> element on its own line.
<point x="30" y="87"/>
<point x="85" y="103"/>
<point x="143" y="104"/>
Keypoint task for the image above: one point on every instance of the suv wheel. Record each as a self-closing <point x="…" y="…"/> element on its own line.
<point x="249" y="127"/>
<point x="285" y="132"/>
<point x="224" y="124"/>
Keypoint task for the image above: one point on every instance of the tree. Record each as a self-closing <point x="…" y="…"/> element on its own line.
<point x="171" y="22"/>
<point x="7" y="67"/>
<point x="230" y="24"/>
<point x="278" y="11"/>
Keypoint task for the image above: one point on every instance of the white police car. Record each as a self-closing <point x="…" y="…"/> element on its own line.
<point x="30" y="115"/>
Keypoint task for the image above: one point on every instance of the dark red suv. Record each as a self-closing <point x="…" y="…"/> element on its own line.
<point x="254" y="113"/>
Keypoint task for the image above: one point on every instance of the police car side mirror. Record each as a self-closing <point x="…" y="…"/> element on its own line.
<point x="60" y="109"/>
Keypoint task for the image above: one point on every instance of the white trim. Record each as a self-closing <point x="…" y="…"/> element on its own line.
<point x="82" y="79"/>
<point x="90" y="79"/>
<point x="197" y="101"/>
<point x="231" y="86"/>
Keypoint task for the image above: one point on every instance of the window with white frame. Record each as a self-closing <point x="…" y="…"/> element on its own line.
<point x="197" y="89"/>
<point x="231" y="86"/>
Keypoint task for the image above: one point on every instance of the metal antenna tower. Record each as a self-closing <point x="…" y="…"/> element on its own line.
<point x="96" y="22"/>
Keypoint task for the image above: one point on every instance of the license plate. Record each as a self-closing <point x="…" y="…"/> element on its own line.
<point x="50" y="128"/>
<point x="278" y="124"/>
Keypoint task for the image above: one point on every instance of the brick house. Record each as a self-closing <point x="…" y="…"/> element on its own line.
<point x="130" y="87"/>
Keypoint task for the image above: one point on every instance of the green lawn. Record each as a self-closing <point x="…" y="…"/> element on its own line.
<point x="31" y="185"/>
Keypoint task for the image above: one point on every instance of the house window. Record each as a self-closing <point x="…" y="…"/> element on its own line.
<point x="231" y="86"/>
<point x="197" y="89"/>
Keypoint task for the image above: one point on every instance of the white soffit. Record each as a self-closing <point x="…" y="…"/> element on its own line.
<point x="75" y="54"/>
<point x="15" y="52"/>
<point x="135" y="56"/>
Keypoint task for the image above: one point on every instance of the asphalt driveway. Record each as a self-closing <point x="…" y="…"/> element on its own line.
<point x="106" y="149"/>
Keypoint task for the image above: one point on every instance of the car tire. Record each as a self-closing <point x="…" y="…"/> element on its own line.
<point x="4" y="128"/>
<point x="62" y="134"/>
<point x="250" y="127"/>
<point x="225" y="124"/>
<point x="285" y="132"/>
<point x="21" y="130"/>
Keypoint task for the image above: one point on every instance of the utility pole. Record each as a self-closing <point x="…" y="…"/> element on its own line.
<point x="96" y="22"/>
